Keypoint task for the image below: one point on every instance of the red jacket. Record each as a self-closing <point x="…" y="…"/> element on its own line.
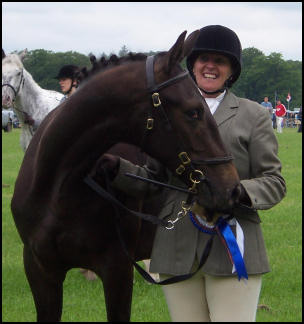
<point x="280" y="110"/>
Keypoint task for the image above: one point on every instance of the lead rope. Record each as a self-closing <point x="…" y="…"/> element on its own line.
<point x="141" y="271"/>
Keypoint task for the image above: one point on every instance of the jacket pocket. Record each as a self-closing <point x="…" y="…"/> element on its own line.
<point x="249" y="215"/>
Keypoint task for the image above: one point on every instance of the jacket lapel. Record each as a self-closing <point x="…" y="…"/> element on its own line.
<point x="226" y="109"/>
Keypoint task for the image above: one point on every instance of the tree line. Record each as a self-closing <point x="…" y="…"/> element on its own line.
<point x="261" y="75"/>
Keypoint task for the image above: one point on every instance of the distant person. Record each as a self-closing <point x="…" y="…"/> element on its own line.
<point x="280" y="113"/>
<point x="300" y="119"/>
<point x="268" y="105"/>
<point x="68" y="82"/>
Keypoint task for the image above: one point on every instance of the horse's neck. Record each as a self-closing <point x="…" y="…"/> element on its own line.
<point x="30" y="97"/>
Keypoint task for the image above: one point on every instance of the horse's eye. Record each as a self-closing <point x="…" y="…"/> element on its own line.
<point x="194" y="114"/>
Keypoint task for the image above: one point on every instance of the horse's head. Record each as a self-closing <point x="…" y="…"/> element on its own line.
<point x="12" y="77"/>
<point x="181" y="122"/>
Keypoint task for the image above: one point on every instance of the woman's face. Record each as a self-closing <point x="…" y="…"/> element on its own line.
<point x="211" y="70"/>
<point x="65" y="84"/>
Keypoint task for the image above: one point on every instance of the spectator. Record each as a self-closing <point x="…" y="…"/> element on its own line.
<point x="300" y="119"/>
<point x="280" y="113"/>
<point x="267" y="104"/>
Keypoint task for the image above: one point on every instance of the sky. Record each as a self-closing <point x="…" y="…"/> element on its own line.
<point x="104" y="27"/>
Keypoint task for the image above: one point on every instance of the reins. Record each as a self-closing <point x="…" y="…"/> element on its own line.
<point x="143" y="273"/>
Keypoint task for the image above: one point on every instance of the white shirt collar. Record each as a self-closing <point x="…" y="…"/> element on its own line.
<point x="213" y="103"/>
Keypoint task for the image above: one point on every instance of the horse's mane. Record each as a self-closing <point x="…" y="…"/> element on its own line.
<point x="105" y="64"/>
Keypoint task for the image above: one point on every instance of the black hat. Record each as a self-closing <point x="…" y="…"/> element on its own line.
<point x="67" y="71"/>
<point x="222" y="40"/>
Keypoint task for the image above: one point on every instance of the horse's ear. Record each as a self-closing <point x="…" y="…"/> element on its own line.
<point x="3" y="54"/>
<point x="23" y="54"/>
<point x="92" y="59"/>
<point x="190" y="41"/>
<point x="175" y="54"/>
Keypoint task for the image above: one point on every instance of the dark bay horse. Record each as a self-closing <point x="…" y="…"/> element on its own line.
<point x="63" y="223"/>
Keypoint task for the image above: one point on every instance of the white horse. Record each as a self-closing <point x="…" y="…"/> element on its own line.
<point x="24" y="95"/>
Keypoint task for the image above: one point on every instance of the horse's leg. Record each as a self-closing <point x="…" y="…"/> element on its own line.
<point x="46" y="288"/>
<point x="118" y="287"/>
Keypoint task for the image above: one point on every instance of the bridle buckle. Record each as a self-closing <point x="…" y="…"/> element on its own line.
<point x="155" y="99"/>
<point x="183" y="156"/>
<point x="180" y="169"/>
<point x="150" y="122"/>
<point x="194" y="181"/>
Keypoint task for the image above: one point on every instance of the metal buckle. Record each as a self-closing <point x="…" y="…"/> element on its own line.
<point x="183" y="156"/>
<point x="195" y="182"/>
<point x="199" y="172"/>
<point x="155" y="99"/>
<point x="150" y="122"/>
<point x="180" y="169"/>
<point x="180" y="215"/>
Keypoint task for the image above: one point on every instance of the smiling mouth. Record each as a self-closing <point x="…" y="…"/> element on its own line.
<point x="209" y="76"/>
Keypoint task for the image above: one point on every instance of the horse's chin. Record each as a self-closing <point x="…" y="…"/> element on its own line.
<point x="211" y="215"/>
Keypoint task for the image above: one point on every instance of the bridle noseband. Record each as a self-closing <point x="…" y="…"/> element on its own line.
<point x="196" y="175"/>
<point x="16" y="92"/>
<point x="19" y="86"/>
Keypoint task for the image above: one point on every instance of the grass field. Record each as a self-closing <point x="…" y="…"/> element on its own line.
<point x="281" y="292"/>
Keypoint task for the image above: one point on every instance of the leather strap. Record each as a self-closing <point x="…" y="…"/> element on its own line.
<point x="115" y="203"/>
<point x="152" y="87"/>
<point x="111" y="198"/>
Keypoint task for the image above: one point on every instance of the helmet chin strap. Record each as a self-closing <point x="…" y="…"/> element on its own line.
<point x="71" y="87"/>
<point x="214" y="92"/>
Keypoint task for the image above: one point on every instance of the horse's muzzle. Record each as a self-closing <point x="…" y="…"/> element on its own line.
<point x="218" y="200"/>
<point x="6" y="101"/>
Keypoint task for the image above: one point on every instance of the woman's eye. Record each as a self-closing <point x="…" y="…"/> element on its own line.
<point x="204" y="58"/>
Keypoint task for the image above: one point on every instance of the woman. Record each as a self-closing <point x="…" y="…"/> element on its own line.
<point x="214" y="293"/>
<point x="68" y="81"/>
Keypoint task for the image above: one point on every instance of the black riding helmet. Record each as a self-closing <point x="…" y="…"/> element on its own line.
<point x="222" y="40"/>
<point x="70" y="72"/>
<point x="67" y="71"/>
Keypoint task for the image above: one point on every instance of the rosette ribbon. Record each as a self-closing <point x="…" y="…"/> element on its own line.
<point x="223" y="230"/>
<point x="225" y="233"/>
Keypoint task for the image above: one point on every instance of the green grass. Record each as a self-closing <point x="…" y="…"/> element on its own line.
<point x="84" y="301"/>
<point x="282" y="228"/>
